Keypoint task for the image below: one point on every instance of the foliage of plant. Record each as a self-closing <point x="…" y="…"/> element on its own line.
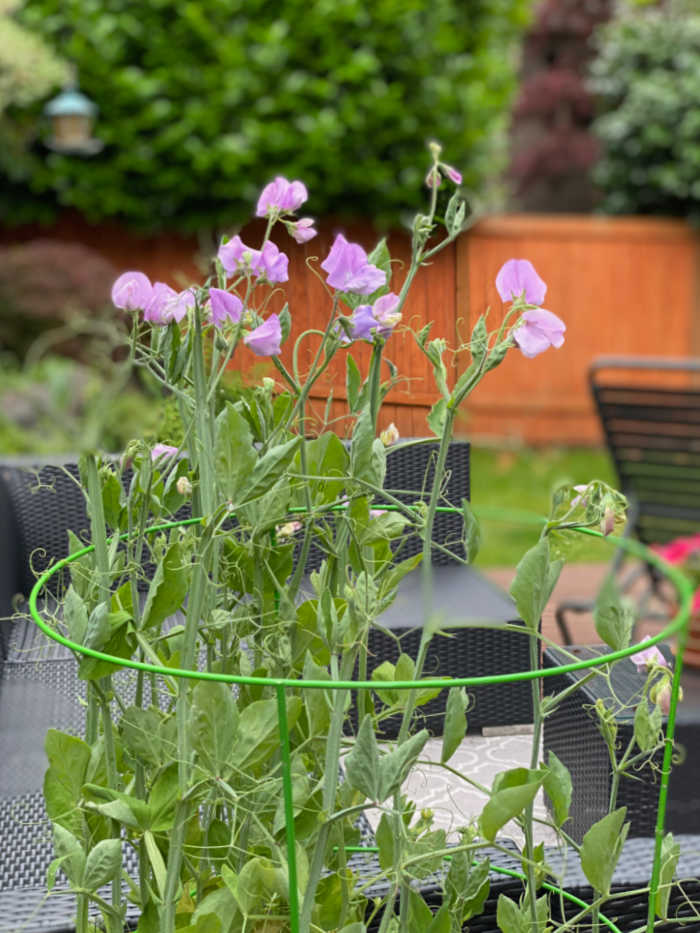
<point x="240" y="803"/>
<point x="647" y="81"/>
<point x="199" y="101"/>
<point x="43" y="284"/>
<point x="29" y="70"/>
<point x="58" y="406"/>
<point x="553" y="150"/>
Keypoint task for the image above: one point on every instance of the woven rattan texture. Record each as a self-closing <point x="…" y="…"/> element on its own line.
<point x="654" y="437"/>
<point x="410" y="469"/>
<point x="457" y="653"/>
<point x="571" y="733"/>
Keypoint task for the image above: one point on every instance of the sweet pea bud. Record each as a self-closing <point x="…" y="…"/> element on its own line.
<point x="389" y="435"/>
<point x="435" y="149"/>
<point x="607" y="524"/>
<point x="268" y="384"/>
<point x="287" y="530"/>
<point x="184" y="486"/>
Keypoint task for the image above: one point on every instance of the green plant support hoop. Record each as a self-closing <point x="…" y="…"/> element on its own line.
<point x="677" y="626"/>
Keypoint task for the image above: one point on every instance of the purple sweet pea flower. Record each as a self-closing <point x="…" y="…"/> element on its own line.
<point x="163" y="450"/>
<point x="266" y="339"/>
<point x="235" y="256"/>
<point x="517" y="276"/>
<point x="537" y="331"/>
<point x="224" y="305"/>
<point x="348" y="269"/>
<point x="282" y="196"/>
<point x="302" y="230"/>
<point x="131" y="291"/>
<point x="378" y="319"/>
<point x="274" y="263"/>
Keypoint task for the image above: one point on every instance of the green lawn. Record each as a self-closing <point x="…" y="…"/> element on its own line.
<point x="525" y="479"/>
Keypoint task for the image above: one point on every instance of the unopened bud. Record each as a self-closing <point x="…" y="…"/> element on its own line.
<point x="607" y="524"/>
<point x="268" y="384"/>
<point x="184" y="486"/>
<point x="435" y="149"/>
<point x="389" y="435"/>
<point x="287" y="530"/>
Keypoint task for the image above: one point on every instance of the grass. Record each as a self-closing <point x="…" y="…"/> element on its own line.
<point x="524" y="480"/>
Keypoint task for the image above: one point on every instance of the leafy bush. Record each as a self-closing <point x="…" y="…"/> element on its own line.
<point x="29" y="70"/>
<point x="200" y="103"/>
<point x="42" y="284"/>
<point x="647" y="78"/>
<point x="57" y="406"/>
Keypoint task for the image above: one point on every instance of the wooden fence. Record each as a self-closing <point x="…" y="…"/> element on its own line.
<point x="622" y="285"/>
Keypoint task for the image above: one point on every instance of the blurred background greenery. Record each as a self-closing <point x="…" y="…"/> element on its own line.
<point x="554" y="105"/>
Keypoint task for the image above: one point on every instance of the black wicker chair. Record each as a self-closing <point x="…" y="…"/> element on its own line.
<point x="652" y="429"/>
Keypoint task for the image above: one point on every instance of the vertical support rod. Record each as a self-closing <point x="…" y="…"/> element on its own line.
<point x="288" y="810"/>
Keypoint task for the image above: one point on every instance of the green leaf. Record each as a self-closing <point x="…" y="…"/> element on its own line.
<point x="670" y="853"/>
<point x="385" y="842"/>
<point x="111" y="495"/>
<point x="131" y="811"/>
<point x="613" y="621"/>
<point x="367" y="453"/>
<point x="381" y="258"/>
<point x="213" y="724"/>
<point x="509" y="916"/>
<point x="647" y="725"/>
<point x="354" y="927"/>
<point x="395" y="765"/>
<point x="479" y="340"/>
<point x="419" y="915"/>
<point x="512" y="791"/>
<point x="362" y="764"/>
<point x="601" y="849"/>
<point x="234" y="454"/>
<point x="285" y="319"/>
<point x="155" y="857"/>
<point x="141" y="733"/>
<point x="353" y="383"/>
<point x="268" y="470"/>
<point x="437" y="416"/>
<point x="535" y="578"/>
<point x="258" y="731"/>
<point x="466" y="886"/>
<point x="472" y="531"/>
<point x="168" y="588"/>
<point x="69" y="849"/>
<point x="68" y="758"/>
<point x="455" y="727"/>
<point x="103" y="864"/>
<point x="557" y="785"/>
<point x="326" y="457"/>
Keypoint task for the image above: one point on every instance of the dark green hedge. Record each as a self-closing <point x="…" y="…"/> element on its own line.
<point x="202" y="102"/>
<point x="647" y="78"/>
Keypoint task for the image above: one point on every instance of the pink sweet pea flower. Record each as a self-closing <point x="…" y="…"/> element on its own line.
<point x="303" y="230"/>
<point x="537" y="331"/>
<point x="156" y="309"/>
<point x="266" y="339"/>
<point x="282" y="196"/>
<point x="131" y="291"/>
<point x="452" y="173"/>
<point x="517" y="276"/>
<point x="648" y="657"/>
<point x="348" y="269"/>
<point x="224" y="305"/>
<point x="163" y="450"/>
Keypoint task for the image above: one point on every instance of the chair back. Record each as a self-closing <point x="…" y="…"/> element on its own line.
<point x="650" y="412"/>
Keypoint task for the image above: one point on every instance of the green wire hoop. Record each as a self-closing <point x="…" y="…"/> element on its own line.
<point x="677" y="626"/>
